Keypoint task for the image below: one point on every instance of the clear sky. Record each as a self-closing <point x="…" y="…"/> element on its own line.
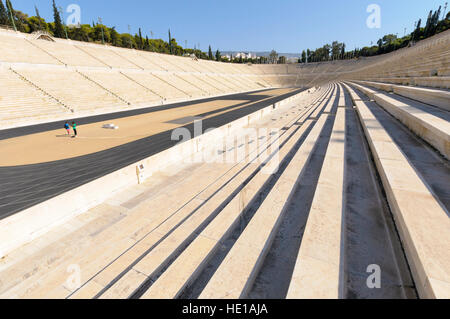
<point x="287" y="26"/>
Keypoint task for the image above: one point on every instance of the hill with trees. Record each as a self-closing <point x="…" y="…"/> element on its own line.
<point x="95" y="32"/>
<point x="387" y="44"/>
<point x="102" y="34"/>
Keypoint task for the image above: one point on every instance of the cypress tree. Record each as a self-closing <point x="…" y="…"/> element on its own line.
<point x="59" y="30"/>
<point x="210" y="54"/>
<point x="436" y="16"/>
<point x="3" y="14"/>
<point x="428" y="25"/>
<point x="39" y="17"/>
<point x="416" y="33"/>
<point x="13" y="18"/>
<point x="218" y="56"/>
<point x="10" y="13"/>
<point x="114" y="36"/>
<point x="170" y="42"/>
<point x="147" y="44"/>
<point x="141" y="41"/>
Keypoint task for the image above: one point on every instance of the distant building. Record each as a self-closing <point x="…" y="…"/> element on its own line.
<point x="239" y="55"/>
<point x="245" y="55"/>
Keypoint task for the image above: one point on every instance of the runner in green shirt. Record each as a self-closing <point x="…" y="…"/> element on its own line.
<point x="74" y="127"/>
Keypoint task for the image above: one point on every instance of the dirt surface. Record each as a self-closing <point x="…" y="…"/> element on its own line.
<point x="23" y="186"/>
<point x="57" y="145"/>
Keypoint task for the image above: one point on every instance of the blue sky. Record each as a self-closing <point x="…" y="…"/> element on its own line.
<point x="287" y="26"/>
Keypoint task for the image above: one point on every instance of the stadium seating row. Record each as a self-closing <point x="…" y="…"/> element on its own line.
<point x="216" y="230"/>
<point x="214" y="239"/>
<point x="117" y="78"/>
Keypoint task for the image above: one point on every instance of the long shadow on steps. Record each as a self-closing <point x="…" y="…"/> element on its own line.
<point x="195" y="289"/>
<point x="274" y="277"/>
<point x="433" y="168"/>
<point x="370" y="234"/>
<point x="168" y="262"/>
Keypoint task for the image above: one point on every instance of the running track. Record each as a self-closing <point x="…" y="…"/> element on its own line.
<point x="22" y="187"/>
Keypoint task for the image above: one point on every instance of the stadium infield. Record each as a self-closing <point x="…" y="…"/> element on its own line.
<point x="38" y="162"/>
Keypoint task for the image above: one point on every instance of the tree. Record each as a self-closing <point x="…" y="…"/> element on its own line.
<point x="210" y="54"/>
<point x="127" y="40"/>
<point x="141" y="40"/>
<point x="3" y="14"/>
<point x="102" y="34"/>
<point x="343" y="51"/>
<point x="416" y="33"/>
<point x="38" y="16"/>
<point x="435" y="21"/>
<point x="326" y="52"/>
<point x="176" y="49"/>
<point x="36" y="24"/>
<point x="17" y="19"/>
<point x="147" y="44"/>
<point x="114" y="36"/>
<point x="218" y="58"/>
<point x="10" y="13"/>
<point x="21" y="21"/>
<point x="443" y="24"/>
<point x="273" y="57"/>
<point x="170" y="43"/>
<point x="59" y="29"/>
<point x="81" y="34"/>
<point x="428" y="24"/>
<point x="303" y="59"/>
<point x="336" y="49"/>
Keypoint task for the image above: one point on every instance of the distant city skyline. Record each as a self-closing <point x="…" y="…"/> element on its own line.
<point x="252" y="26"/>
